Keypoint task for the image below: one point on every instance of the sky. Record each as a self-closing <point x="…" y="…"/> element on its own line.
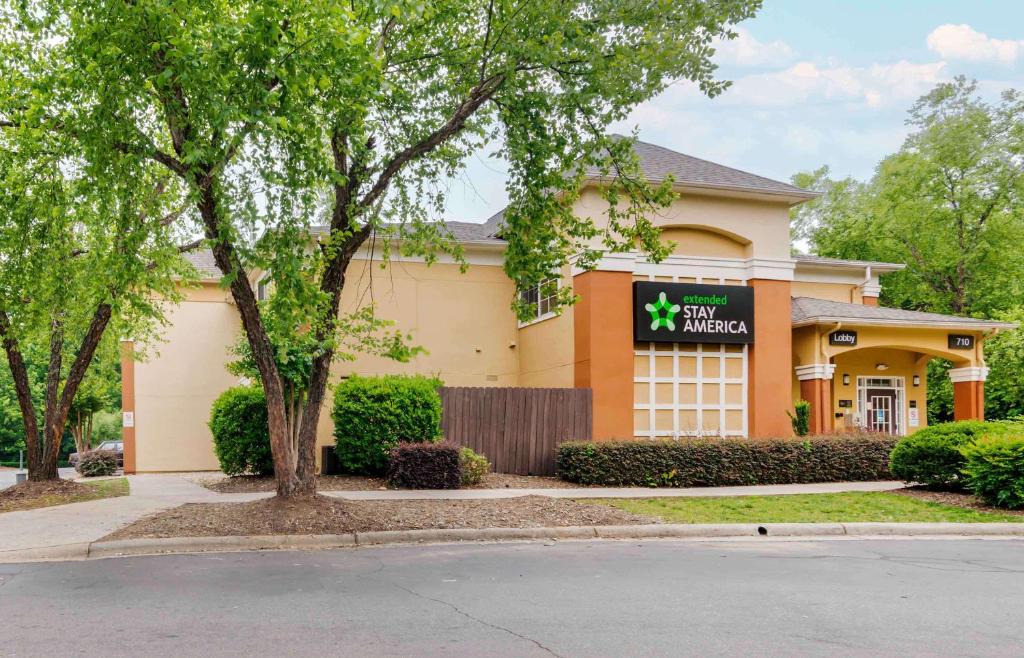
<point x="815" y="82"/>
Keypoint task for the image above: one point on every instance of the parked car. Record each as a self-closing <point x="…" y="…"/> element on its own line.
<point x="113" y="446"/>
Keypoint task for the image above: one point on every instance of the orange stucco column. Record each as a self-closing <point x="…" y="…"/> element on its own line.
<point x="818" y="392"/>
<point x="869" y="301"/>
<point x="128" y="404"/>
<point x="770" y="360"/>
<point x="603" y="341"/>
<point x="968" y="393"/>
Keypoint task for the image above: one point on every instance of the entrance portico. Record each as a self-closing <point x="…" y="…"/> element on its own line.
<point x="866" y="366"/>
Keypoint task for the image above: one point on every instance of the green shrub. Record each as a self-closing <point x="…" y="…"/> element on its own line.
<point x="424" y="466"/>
<point x="97" y="463"/>
<point x="241" y="439"/>
<point x="932" y="457"/>
<point x="474" y="466"/>
<point x="994" y="469"/>
<point x="725" y="462"/>
<point x="801" y="418"/>
<point x="373" y="414"/>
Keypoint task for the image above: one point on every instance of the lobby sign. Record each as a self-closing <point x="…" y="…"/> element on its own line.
<point x="848" y="338"/>
<point x="961" y="342"/>
<point x="692" y="313"/>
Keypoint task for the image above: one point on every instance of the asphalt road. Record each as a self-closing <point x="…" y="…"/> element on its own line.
<point x="653" y="598"/>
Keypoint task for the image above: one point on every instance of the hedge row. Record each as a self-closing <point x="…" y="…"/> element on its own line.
<point x="726" y="462"/>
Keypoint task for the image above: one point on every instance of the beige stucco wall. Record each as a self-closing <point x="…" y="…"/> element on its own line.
<point x="837" y="292"/>
<point x="761" y="226"/>
<point x="810" y="344"/>
<point x="178" y="379"/>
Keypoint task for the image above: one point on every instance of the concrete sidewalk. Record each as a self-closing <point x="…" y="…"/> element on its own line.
<point x="58" y="530"/>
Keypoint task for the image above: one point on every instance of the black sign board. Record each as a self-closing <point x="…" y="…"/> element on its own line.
<point x="846" y="404"/>
<point x="692" y="313"/>
<point x="842" y="338"/>
<point x="961" y="342"/>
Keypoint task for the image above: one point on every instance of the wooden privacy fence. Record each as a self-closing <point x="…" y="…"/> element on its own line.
<point x="516" y="428"/>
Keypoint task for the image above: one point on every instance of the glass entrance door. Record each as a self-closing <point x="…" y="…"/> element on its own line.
<point x="880" y="404"/>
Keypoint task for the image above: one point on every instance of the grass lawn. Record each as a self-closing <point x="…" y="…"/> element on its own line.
<point x="33" y="495"/>
<point x="804" y="508"/>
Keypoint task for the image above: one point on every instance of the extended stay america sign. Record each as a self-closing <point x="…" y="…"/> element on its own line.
<point x="692" y="313"/>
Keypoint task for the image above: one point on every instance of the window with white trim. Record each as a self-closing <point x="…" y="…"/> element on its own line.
<point x="541" y="300"/>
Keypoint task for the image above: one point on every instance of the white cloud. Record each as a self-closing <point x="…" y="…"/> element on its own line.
<point x="964" y="42"/>
<point x="746" y="50"/>
<point x="873" y="86"/>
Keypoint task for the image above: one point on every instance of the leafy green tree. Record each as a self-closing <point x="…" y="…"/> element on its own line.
<point x="86" y="243"/>
<point x="1004" y="354"/>
<point x="948" y="204"/>
<point x="262" y="110"/>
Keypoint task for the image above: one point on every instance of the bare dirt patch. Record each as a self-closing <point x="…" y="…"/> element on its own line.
<point x="33" y="495"/>
<point x="252" y="483"/>
<point x="328" y="516"/>
<point x="965" y="500"/>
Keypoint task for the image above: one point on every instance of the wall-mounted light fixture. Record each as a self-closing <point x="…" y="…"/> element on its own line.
<point x="917" y="380"/>
<point x="846" y="380"/>
<point x="881" y="366"/>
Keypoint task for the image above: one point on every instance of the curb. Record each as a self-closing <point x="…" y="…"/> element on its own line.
<point x="179" y="545"/>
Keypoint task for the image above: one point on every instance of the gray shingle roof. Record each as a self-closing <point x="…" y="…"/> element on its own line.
<point x="808" y="310"/>
<point x="202" y="260"/>
<point x="658" y="163"/>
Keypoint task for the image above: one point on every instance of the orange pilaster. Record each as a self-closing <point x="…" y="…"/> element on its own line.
<point x="770" y="360"/>
<point x="604" y="349"/>
<point x="128" y="403"/>
<point x="818" y="392"/>
<point x="969" y="400"/>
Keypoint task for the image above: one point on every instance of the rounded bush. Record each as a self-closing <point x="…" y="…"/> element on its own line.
<point x="424" y="466"/>
<point x="931" y="456"/>
<point x="97" y="463"/>
<point x="474" y="466"/>
<point x="994" y="469"/>
<point x="241" y="439"/>
<point x="374" y="414"/>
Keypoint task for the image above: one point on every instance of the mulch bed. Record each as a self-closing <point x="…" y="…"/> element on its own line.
<point x="955" y="499"/>
<point x="32" y="495"/>
<point x="252" y="483"/>
<point x="328" y="516"/>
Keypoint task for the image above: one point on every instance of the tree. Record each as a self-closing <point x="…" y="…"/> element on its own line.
<point x="85" y="244"/>
<point x="949" y="204"/>
<point x="260" y="109"/>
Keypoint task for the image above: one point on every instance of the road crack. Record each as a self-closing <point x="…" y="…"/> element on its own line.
<point x="483" y="622"/>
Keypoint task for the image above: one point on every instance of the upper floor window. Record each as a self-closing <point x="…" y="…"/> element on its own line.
<point x="262" y="289"/>
<point x="541" y="299"/>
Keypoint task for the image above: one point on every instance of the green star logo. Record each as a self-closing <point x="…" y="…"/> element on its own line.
<point x="662" y="305"/>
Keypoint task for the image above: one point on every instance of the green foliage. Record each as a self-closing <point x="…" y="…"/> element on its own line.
<point x="424" y="466"/>
<point x="801" y="417"/>
<point x="994" y="469"/>
<point x="474" y="466"/>
<point x="373" y="414"/>
<point x="96" y="463"/>
<point x="949" y="204"/>
<point x="932" y="455"/>
<point x="241" y="440"/>
<point x="726" y="462"/>
<point x="1004" y="354"/>
<point x="106" y="426"/>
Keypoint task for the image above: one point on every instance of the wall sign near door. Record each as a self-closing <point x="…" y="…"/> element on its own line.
<point x="692" y="313"/>
<point x="961" y="342"/>
<point x="842" y="338"/>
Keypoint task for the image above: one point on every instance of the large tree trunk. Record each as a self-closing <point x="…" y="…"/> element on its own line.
<point x="288" y="482"/>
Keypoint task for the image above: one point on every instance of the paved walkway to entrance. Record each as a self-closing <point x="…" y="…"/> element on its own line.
<point x="82" y="523"/>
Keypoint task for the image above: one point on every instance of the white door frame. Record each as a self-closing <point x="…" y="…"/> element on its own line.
<point x="897" y="384"/>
